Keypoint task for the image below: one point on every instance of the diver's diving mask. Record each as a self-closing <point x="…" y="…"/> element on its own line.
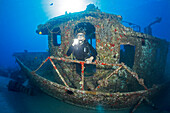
<point x="81" y="37"/>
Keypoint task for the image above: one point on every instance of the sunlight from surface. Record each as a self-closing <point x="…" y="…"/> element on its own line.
<point x="72" y="5"/>
<point x="55" y="8"/>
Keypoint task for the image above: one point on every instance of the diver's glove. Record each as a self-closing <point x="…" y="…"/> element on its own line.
<point x="89" y="60"/>
<point x="75" y="42"/>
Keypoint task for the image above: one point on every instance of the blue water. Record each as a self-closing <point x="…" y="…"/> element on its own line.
<point x="19" y="19"/>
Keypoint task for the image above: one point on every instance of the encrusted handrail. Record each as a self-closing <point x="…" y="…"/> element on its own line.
<point x="104" y="81"/>
<point x="61" y="77"/>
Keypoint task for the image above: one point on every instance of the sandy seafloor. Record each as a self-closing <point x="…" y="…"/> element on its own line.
<point x="17" y="102"/>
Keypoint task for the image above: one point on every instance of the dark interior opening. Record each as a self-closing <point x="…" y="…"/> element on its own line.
<point x="89" y="31"/>
<point x="56" y="35"/>
<point x="127" y="55"/>
<point x="143" y="42"/>
<point x="69" y="92"/>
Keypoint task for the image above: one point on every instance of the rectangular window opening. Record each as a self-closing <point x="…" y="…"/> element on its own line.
<point x="92" y="41"/>
<point x="57" y="40"/>
<point x="127" y="55"/>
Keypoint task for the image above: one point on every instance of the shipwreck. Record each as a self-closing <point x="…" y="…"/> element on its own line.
<point x="129" y="67"/>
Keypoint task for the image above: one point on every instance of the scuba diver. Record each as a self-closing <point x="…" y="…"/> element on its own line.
<point x="83" y="51"/>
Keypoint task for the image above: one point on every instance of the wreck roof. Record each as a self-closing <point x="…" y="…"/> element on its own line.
<point x="91" y="11"/>
<point x="43" y="28"/>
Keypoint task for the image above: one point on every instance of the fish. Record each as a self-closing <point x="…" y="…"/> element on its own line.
<point x="51" y="4"/>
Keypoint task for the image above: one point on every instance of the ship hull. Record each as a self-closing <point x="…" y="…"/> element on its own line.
<point x="87" y="99"/>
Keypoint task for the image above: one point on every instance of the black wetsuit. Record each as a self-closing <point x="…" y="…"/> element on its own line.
<point x="82" y="52"/>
